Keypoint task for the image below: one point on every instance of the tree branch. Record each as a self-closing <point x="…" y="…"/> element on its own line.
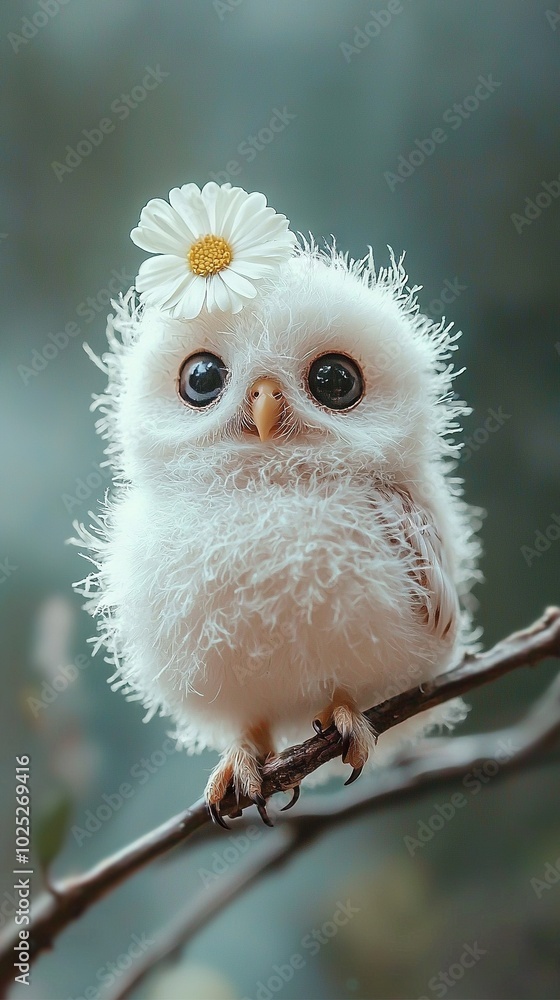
<point x="436" y="763"/>
<point x="53" y="913"/>
<point x="523" y="648"/>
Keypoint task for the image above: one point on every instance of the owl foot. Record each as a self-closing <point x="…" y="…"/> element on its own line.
<point x="358" y="737"/>
<point x="239" y="769"/>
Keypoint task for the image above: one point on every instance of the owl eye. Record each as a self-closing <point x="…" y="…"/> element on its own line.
<point x="202" y="379"/>
<point x="335" y="381"/>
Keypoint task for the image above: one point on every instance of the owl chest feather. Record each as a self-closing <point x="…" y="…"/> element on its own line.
<point x="252" y="595"/>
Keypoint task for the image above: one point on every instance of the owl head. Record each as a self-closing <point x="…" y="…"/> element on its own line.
<point x="306" y="356"/>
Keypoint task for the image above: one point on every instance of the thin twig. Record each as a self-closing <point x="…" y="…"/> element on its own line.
<point x="449" y="760"/>
<point x="75" y="895"/>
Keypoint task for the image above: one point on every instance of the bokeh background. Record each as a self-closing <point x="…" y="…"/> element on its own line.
<point x="356" y="84"/>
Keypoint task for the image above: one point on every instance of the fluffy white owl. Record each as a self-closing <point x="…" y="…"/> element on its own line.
<point x="284" y="545"/>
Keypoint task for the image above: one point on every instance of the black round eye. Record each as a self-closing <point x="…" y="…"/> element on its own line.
<point x="335" y="381"/>
<point x="202" y="379"/>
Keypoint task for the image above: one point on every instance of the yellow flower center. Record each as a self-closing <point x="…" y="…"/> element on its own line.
<point x="209" y="255"/>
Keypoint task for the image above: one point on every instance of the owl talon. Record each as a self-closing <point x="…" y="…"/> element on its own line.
<point x="264" y="816"/>
<point x="293" y="800"/>
<point x="318" y="727"/>
<point x="216" y="816"/>
<point x="260" y="803"/>
<point x="356" y="771"/>
<point x="345" y="746"/>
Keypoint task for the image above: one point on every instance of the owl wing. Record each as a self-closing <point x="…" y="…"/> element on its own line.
<point x="414" y="538"/>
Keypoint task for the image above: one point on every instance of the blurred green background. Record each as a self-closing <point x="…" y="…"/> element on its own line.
<point x="357" y="84"/>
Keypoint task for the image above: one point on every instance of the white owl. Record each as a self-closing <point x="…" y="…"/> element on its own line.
<point x="284" y="545"/>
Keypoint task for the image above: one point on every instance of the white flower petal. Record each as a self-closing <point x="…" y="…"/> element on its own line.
<point x="269" y="236"/>
<point x="250" y="212"/>
<point x="158" y="270"/>
<point x="272" y="257"/>
<point x="238" y="284"/>
<point x="210" y="297"/>
<point x="161" y="229"/>
<point x="174" y="294"/>
<point x="221" y="294"/>
<point x="162" y="295"/>
<point x="155" y="241"/>
<point x="192" y="301"/>
<point x="210" y="195"/>
<point x="187" y="202"/>
<point x="163" y="284"/>
<point x="237" y="304"/>
<point x="250" y="269"/>
<point x="227" y="209"/>
<point x="264" y="230"/>
<point x="188" y="190"/>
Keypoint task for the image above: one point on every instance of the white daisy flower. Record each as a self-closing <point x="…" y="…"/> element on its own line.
<point x="215" y="246"/>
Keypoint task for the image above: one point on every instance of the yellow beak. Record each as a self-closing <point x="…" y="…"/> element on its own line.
<point x="266" y="401"/>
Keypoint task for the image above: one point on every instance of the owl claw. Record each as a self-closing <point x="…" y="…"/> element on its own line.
<point x="260" y="803"/>
<point x="345" y="745"/>
<point x="318" y="727"/>
<point x="356" y="771"/>
<point x="216" y="816"/>
<point x="293" y="800"/>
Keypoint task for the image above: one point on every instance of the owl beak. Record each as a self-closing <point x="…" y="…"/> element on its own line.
<point x="266" y="402"/>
